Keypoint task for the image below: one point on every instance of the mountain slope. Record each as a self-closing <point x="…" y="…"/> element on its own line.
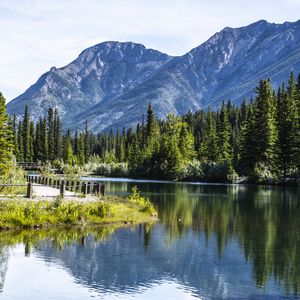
<point x="103" y="71"/>
<point x="227" y="66"/>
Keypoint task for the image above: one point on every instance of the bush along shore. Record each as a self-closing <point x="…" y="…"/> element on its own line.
<point x="20" y="213"/>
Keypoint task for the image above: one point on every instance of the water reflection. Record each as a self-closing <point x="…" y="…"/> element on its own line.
<point x="212" y="241"/>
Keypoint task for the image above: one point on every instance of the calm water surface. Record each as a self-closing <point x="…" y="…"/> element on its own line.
<point x="212" y="242"/>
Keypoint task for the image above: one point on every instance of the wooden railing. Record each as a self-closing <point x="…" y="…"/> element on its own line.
<point x="83" y="187"/>
<point x="78" y="186"/>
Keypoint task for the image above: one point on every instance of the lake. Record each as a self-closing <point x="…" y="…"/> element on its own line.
<point x="211" y="242"/>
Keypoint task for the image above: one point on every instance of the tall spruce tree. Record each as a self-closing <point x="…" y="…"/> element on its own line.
<point x="224" y="134"/>
<point x="150" y="121"/>
<point x="67" y="148"/>
<point x="51" y="135"/>
<point x="265" y="127"/>
<point x="26" y="136"/>
<point x="6" y="139"/>
<point x="286" y="120"/>
<point x="248" y="156"/>
<point x="15" y="134"/>
<point x="209" y="147"/>
<point x="86" y="143"/>
<point x="57" y="135"/>
<point x="20" y="153"/>
<point x="31" y="145"/>
<point x="297" y="137"/>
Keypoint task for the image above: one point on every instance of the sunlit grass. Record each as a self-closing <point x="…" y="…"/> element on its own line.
<point x="20" y="213"/>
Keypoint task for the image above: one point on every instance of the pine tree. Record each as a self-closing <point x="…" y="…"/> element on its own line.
<point x="26" y="136"/>
<point x="224" y="134"/>
<point x="209" y="146"/>
<point x="76" y="143"/>
<point x="265" y="127"/>
<point x="286" y="121"/>
<point x="81" y="153"/>
<point x="297" y="126"/>
<point x="6" y="139"/>
<point x="67" y="148"/>
<point x="37" y="141"/>
<point x="57" y="135"/>
<point x="186" y="143"/>
<point x="247" y="150"/>
<point x="20" y="154"/>
<point x="172" y="161"/>
<point x="31" y="145"/>
<point x="86" y="143"/>
<point x="51" y="135"/>
<point x="15" y="134"/>
<point x="44" y="141"/>
<point x="150" y="121"/>
<point x="135" y="158"/>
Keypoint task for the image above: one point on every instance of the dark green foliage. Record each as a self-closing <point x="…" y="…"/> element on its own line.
<point x="260" y="139"/>
<point x="51" y="134"/>
<point x="6" y="139"/>
<point x="27" y="139"/>
<point x="224" y="134"/>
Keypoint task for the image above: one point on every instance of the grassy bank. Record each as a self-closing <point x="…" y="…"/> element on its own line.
<point x="17" y="213"/>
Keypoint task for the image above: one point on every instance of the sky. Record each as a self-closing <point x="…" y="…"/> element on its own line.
<point x="38" y="34"/>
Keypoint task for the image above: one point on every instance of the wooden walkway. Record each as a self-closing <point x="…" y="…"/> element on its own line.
<point x="48" y="191"/>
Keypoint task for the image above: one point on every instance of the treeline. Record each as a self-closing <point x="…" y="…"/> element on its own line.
<point x="260" y="139"/>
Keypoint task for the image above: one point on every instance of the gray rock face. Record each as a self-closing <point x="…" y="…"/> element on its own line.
<point x="111" y="84"/>
<point x="104" y="71"/>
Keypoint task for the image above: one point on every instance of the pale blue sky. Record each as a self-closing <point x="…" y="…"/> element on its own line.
<point x="38" y="34"/>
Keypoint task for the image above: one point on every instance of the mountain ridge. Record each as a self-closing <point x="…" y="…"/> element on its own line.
<point x="110" y="84"/>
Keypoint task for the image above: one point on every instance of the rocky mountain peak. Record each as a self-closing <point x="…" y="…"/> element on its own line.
<point x="111" y="83"/>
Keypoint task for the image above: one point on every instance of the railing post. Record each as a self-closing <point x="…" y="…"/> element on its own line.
<point x="102" y="189"/>
<point x="29" y="190"/>
<point x="62" y="189"/>
<point x="77" y="186"/>
<point x="50" y="181"/>
<point x="84" y="188"/>
<point x="95" y="189"/>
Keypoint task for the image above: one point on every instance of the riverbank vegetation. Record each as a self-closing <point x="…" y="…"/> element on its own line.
<point x="258" y="140"/>
<point x="18" y="213"/>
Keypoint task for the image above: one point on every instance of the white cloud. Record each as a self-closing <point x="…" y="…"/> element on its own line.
<point x="36" y="35"/>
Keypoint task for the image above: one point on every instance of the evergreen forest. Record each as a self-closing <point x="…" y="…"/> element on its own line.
<point x="258" y="141"/>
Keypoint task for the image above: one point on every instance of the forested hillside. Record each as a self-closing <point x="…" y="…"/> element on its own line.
<point x="260" y="140"/>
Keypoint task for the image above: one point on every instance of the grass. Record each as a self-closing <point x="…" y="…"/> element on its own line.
<point x="20" y="213"/>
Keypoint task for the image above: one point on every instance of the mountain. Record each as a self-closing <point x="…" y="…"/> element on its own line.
<point x="104" y="71"/>
<point x="111" y="84"/>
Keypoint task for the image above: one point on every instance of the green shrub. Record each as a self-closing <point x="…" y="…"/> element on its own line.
<point x="112" y="169"/>
<point x="210" y="171"/>
<point x="144" y="203"/>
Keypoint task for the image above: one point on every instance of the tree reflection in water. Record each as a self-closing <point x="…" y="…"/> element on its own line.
<point x="264" y="222"/>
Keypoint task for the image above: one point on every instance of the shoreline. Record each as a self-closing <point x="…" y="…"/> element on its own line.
<point x="268" y="182"/>
<point x="41" y="213"/>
